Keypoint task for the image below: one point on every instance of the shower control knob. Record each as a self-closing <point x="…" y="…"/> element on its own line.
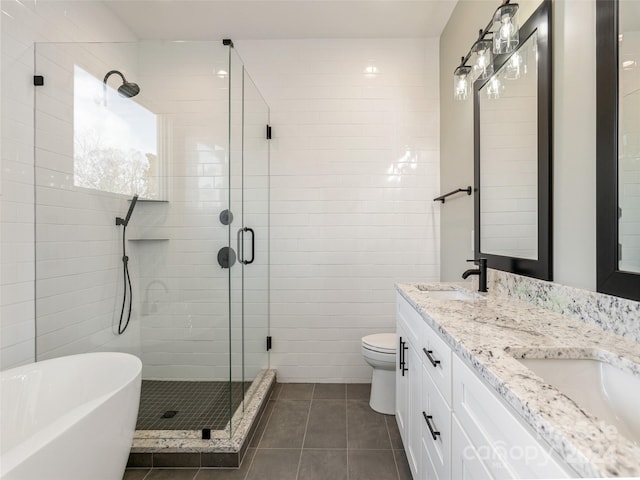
<point x="226" y="257"/>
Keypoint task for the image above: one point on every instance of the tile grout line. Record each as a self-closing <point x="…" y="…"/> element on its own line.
<point x="304" y="437"/>
<point x="266" y="423"/>
<point x="346" y="420"/>
<point x="275" y="398"/>
<point x="386" y="423"/>
<point x="246" y="475"/>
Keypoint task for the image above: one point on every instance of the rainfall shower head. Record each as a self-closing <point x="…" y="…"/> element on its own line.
<point x="126" y="90"/>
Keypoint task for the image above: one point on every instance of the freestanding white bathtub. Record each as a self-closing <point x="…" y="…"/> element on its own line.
<point x="69" y="418"/>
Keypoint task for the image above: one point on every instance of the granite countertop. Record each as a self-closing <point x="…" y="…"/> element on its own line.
<point x="490" y="332"/>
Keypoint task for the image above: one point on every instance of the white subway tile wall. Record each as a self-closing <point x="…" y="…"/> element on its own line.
<point x="354" y="170"/>
<point x="23" y="24"/>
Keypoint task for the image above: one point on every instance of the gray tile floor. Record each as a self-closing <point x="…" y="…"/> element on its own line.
<point x="312" y="432"/>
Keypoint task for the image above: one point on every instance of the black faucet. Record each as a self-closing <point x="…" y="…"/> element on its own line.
<point x="481" y="271"/>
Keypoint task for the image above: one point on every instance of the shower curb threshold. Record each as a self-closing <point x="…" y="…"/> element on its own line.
<point x="186" y="448"/>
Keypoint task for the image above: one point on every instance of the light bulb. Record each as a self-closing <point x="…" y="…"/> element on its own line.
<point x="507" y="29"/>
<point x="462" y="88"/>
<point x="483" y="66"/>
<point x="461" y="82"/>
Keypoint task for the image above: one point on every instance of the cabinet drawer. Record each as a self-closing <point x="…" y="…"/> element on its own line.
<point x="436" y="357"/>
<point x="511" y="448"/>
<point x="436" y="426"/>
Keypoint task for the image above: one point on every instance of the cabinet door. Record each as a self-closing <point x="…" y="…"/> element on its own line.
<point x="402" y="382"/>
<point x="465" y="460"/>
<point x="427" y="470"/>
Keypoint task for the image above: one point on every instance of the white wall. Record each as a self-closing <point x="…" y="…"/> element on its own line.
<point x="574" y="137"/>
<point x="574" y="204"/>
<point x="24" y="23"/>
<point x="354" y="170"/>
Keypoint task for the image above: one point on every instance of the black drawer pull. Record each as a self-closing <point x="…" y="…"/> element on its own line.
<point x="431" y="358"/>
<point x="404" y="360"/>
<point x="434" y="433"/>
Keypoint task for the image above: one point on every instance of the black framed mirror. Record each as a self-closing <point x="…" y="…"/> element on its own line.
<point x="513" y="155"/>
<point x="618" y="147"/>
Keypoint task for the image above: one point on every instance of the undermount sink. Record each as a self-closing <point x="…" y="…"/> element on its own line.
<point x="447" y="294"/>
<point x="597" y="387"/>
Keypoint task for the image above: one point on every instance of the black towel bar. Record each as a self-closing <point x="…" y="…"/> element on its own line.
<point x="442" y="197"/>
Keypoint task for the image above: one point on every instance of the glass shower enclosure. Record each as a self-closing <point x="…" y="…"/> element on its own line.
<point x="184" y="284"/>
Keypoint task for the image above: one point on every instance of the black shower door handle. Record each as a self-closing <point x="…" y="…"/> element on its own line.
<point x="253" y="245"/>
<point x="240" y="240"/>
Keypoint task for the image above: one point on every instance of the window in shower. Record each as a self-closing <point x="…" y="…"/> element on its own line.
<point x="115" y="141"/>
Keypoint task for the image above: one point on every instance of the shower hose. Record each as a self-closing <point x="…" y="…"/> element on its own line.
<point x="127" y="285"/>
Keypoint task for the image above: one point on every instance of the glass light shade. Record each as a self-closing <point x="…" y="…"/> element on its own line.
<point x="506" y="34"/>
<point x="461" y="82"/>
<point x="483" y="59"/>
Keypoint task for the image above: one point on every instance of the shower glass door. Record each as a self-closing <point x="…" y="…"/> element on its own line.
<point x="249" y="198"/>
<point x="187" y="143"/>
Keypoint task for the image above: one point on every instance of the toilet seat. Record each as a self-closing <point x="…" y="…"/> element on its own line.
<point x="380" y="342"/>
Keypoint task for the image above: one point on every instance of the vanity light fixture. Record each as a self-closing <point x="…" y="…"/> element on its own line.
<point x="506" y="37"/>
<point x="500" y="36"/>
<point x="483" y="55"/>
<point x="462" y="82"/>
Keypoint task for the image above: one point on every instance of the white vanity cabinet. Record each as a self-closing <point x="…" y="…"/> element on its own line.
<point x="452" y="425"/>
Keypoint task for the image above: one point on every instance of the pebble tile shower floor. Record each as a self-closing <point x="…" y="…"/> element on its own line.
<point x="311" y="432"/>
<point x="196" y="405"/>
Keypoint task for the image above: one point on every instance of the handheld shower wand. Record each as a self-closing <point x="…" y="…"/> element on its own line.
<point x="125" y="267"/>
<point x="125" y="221"/>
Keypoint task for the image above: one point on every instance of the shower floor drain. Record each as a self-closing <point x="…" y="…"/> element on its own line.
<point x="169" y="414"/>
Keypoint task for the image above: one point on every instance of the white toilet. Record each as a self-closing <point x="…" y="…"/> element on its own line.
<point x="379" y="351"/>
